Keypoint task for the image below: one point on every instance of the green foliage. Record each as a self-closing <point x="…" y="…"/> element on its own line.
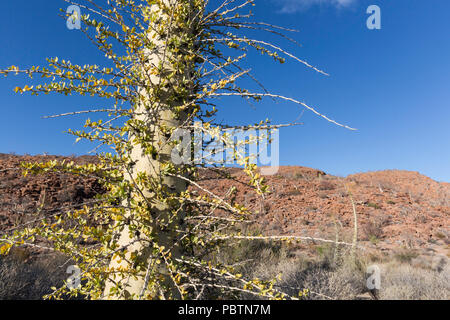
<point x="373" y="205"/>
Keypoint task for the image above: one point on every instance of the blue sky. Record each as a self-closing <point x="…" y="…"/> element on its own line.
<point x="392" y="84"/>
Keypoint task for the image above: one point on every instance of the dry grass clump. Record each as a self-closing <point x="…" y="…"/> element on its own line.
<point x="23" y="277"/>
<point x="338" y="276"/>
<point x="373" y="228"/>
<point x="406" y="255"/>
<point x="405" y="282"/>
<point x="322" y="276"/>
<point x="329" y="275"/>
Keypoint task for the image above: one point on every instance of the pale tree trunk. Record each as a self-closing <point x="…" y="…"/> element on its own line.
<point x="162" y="116"/>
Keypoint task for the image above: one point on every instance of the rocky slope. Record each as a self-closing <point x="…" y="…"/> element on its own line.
<point x="396" y="210"/>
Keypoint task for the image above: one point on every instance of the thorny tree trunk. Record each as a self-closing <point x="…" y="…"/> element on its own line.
<point x="162" y="116"/>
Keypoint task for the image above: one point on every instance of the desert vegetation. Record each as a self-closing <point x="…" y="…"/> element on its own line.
<point x="148" y="235"/>
<point x="161" y="216"/>
<point x="325" y="275"/>
<point x="414" y="269"/>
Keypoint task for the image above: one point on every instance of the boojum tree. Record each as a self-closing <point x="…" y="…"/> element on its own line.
<point x="152" y="233"/>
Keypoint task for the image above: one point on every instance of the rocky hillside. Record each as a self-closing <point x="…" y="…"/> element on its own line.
<point x="396" y="210"/>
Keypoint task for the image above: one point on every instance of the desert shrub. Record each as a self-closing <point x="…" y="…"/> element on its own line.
<point x="326" y="185"/>
<point x="373" y="229"/>
<point x="323" y="278"/>
<point x="405" y="282"/>
<point x="322" y="195"/>
<point x="23" y="277"/>
<point x="440" y="235"/>
<point x="294" y="192"/>
<point x="373" y="205"/>
<point x="249" y="254"/>
<point x="244" y="258"/>
<point x="299" y="175"/>
<point x="405" y="255"/>
<point x="331" y="276"/>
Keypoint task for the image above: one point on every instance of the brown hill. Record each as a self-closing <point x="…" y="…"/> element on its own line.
<point x="395" y="209"/>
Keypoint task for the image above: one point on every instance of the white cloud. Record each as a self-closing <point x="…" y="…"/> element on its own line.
<point x="291" y="6"/>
